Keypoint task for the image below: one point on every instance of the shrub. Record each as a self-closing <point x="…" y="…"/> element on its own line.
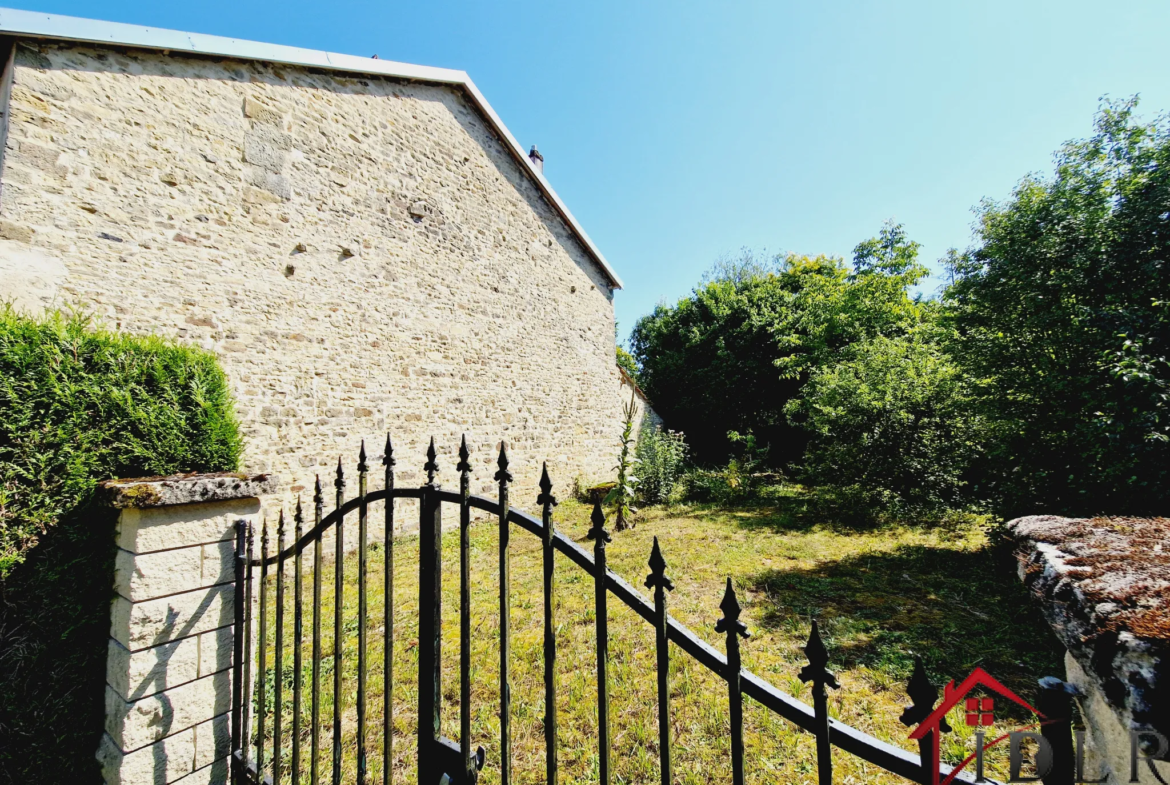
<point x="661" y="455"/>
<point x="891" y="426"/>
<point x="738" y="482"/>
<point x="79" y="405"/>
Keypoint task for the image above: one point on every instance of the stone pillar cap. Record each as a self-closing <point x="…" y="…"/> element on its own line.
<point x="143" y="492"/>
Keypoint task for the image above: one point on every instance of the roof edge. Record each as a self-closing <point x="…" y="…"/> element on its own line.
<point x="32" y="24"/>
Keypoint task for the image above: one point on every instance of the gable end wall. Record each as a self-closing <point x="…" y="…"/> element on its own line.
<point x="362" y="254"/>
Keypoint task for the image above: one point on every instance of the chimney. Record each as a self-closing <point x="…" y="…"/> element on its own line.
<point x="537" y="159"/>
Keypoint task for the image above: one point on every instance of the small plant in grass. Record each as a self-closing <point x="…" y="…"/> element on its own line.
<point x="661" y="455"/>
<point x="623" y="494"/>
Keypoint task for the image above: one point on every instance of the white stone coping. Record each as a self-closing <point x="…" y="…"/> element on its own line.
<point x="71" y="28"/>
<point x="143" y="492"/>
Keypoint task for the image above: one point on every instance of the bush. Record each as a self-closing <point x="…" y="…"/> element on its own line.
<point x="79" y="405"/>
<point x="738" y="482"/>
<point x="661" y="455"/>
<point x="891" y="427"/>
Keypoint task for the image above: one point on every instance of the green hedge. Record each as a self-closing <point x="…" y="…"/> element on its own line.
<point x="79" y="405"/>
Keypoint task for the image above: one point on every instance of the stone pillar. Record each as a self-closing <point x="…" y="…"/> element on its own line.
<point x="168" y="672"/>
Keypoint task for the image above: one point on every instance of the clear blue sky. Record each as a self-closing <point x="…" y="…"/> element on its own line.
<point x="678" y="131"/>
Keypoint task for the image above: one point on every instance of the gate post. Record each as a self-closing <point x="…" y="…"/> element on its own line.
<point x="171" y="650"/>
<point x="430" y="605"/>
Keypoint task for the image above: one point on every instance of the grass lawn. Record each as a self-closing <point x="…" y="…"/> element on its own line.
<point x="881" y="596"/>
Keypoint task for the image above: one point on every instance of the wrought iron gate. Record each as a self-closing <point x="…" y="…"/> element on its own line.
<point x="257" y="760"/>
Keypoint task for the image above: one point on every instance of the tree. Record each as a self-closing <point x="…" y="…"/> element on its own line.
<point x="733" y="354"/>
<point x="1060" y="314"/>
<point x="627" y="363"/>
<point x="708" y="363"/>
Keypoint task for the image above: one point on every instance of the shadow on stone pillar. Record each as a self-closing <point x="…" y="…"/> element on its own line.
<point x="168" y="674"/>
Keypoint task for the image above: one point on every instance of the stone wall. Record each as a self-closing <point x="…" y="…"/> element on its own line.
<point x="362" y="253"/>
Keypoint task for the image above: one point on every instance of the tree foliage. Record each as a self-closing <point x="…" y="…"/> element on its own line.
<point x="733" y="354"/>
<point x="1061" y="315"/>
<point x="708" y="362"/>
<point x="891" y="424"/>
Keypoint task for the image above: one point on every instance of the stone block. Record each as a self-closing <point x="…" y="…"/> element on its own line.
<point x="267" y="148"/>
<point x="276" y="184"/>
<point x="165" y="761"/>
<point x="16" y="232"/>
<point x="136" y="724"/>
<point x="163" y="528"/>
<point x="219" y="563"/>
<point x="135" y="675"/>
<point x="215" y="774"/>
<point x="213" y="740"/>
<point x="1107" y="744"/>
<point x="141" y="625"/>
<point x="179" y="489"/>
<point x="215" y="650"/>
<point x="139" y="577"/>
<point x="263" y="113"/>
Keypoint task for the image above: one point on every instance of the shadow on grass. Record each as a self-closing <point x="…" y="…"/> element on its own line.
<point x="955" y="608"/>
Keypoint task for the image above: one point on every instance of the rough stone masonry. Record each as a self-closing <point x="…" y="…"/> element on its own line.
<point x="361" y="252"/>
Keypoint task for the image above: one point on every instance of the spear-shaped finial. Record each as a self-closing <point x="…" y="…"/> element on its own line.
<point x="545" y="498"/>
<point x="923" y="694"/>
<point x="598" y="531"/>
<point x="503" y="475"/>
<point x="339" y="483"/>
<point x="818" y="658"/>
<point x="657" y="576"/>
<point x="388" y="454"/>
<point x="362" y="465"/>
<point x="264" y="537"/>
<point x="432" y="464"/>
<point x="318" y="497"/>
<point x="464" y="469"/>
<point x="299" y="516"/>
<point x="280" y="527"/>
<point x="730" y="622"/>
<point x="464" y="465"/>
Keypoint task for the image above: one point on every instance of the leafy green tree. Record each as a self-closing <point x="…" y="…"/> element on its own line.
<point x="1061" y="315"/>
<point x="891" y="424"/>
<point x="627" y="363"/>
<point x="708" y="363"/>
<point x="834" y="307"/>
<point x="729" y="357"/>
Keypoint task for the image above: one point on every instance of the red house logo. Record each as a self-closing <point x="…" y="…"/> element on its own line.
<point x="980" y="712"/>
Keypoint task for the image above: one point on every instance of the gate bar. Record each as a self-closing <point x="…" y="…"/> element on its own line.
<point x="388" y="621"/>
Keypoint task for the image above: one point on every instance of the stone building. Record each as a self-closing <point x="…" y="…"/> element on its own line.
<point x="362" y="242"/>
